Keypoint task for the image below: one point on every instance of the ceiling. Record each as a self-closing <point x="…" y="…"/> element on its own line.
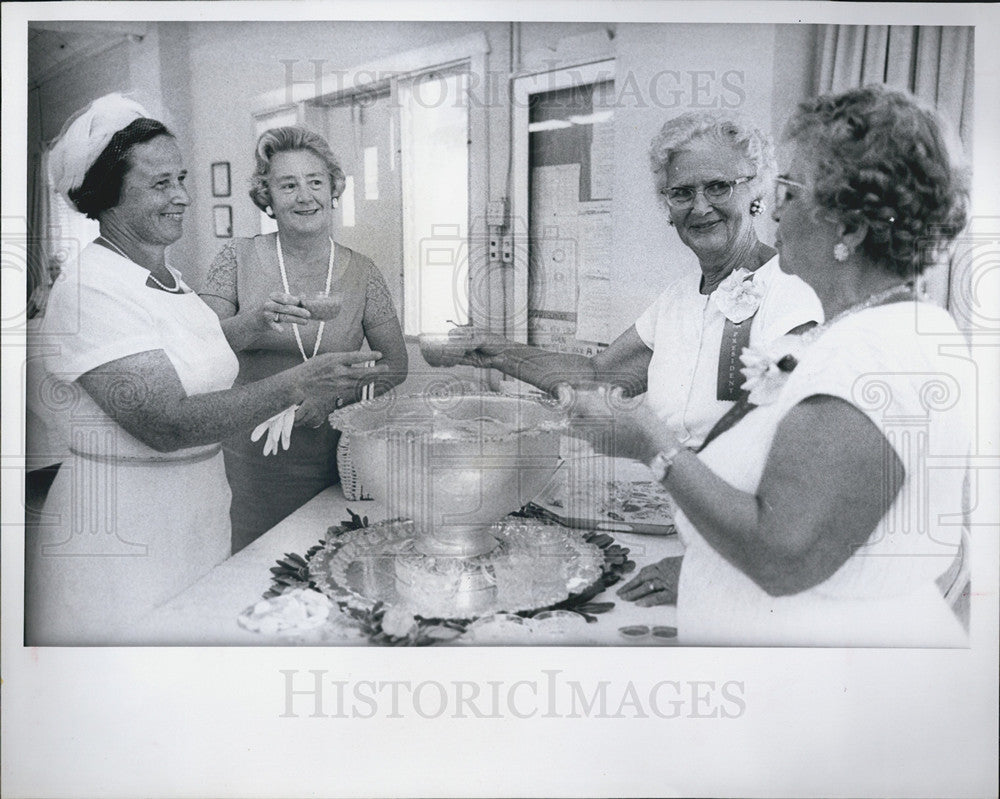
<point x="56" y="46"/>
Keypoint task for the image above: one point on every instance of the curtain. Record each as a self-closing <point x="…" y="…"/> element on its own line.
<point x="38" y="279"/>
<point x="935" y="63"/>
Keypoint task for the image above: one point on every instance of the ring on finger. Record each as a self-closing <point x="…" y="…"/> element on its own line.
<point x="277" y="318"/>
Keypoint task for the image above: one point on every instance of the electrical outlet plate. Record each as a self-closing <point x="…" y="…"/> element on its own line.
<point x="507" y="249"/>
<point x="496" y="213"/>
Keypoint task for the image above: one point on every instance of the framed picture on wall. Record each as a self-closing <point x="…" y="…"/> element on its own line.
<point x="223" y="217"/>
<point x="220" y="179"/>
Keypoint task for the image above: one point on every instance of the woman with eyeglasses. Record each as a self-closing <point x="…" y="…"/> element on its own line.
<point x="831" y="514"/>
<point x="712" y="170"/>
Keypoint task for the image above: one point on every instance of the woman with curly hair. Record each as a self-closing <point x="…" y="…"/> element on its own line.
<point x="816" y="519"/>
<point x="283" y="298"/>
<point x="712" y="170"/>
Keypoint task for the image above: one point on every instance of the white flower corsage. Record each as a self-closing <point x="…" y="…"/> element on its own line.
<point x="737" y="296"/>
<point x="767" y="368"/>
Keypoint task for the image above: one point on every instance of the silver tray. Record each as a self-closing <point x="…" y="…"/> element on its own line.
<point x="535" y="565"/>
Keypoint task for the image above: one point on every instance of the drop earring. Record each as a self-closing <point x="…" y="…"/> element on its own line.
<point x="840" y="252"/>
<point x="756" y="207"/>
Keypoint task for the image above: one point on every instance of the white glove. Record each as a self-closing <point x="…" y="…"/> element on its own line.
<point x="279" y="431"/>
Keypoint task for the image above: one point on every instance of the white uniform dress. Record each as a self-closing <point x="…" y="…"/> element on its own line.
<point x="913" y="386"/>
<point x="124" y="527"/>
<point x="684" y="330"/>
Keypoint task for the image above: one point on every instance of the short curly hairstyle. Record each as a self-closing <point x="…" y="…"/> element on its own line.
<point x="884" y="160"/>
<point x="101" y="189"/>
<point x="717" y="126"/>
<point x="288" y="139"/>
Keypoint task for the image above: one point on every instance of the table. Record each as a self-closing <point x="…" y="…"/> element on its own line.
<point x="206" y="613"/>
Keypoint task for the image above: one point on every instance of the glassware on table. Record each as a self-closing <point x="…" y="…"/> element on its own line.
<point x="323" y="306"/>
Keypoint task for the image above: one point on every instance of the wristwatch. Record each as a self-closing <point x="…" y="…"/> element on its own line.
<point x="663" y="460"/>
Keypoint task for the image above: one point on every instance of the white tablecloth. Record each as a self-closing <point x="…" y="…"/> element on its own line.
<point x="206" y="613"/>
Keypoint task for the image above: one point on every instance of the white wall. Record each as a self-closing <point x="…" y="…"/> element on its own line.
<point x="674" y="68"/>
<point x="233" y="63"/>
<point x="230" y="64"/>
<point x="202" y="77"/>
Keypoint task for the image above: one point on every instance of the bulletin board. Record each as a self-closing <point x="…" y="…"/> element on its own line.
<point x="569" y="175"/>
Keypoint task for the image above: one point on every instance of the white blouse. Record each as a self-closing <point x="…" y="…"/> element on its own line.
<point x="684" y="330"/>
<point x="101" y="310"/>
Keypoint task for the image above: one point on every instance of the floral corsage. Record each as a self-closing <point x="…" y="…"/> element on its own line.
<point x="767" y="368"/>
<point x="737" y="296"/>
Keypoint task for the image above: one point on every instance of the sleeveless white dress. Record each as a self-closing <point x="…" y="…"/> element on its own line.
<point x="912" y="383"/>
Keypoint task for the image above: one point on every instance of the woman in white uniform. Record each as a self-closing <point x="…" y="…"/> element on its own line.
<point x="140" y="375"/>
<point x="826" y="515"/>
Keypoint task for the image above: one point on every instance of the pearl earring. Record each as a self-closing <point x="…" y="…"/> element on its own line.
<point x="840" y="252"/>
<point x="268" y="211"/>
<point x="756" y="208"/>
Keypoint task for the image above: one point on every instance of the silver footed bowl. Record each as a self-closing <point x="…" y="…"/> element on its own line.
<point x="453" y="464"/>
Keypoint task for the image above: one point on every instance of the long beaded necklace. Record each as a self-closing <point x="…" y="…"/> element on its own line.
<point x="175" y="289"/>
<point x="284" y="283"/>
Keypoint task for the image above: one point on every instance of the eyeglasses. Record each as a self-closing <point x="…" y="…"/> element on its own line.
<point x="781" y="187"/>
<point x="716" y="192"/>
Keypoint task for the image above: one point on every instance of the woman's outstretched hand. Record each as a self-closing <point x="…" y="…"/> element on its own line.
<point x="616" y="425"/>
<point x="463" y="345"/>
<point x="655" y="584"/>
<point x="338" y="374"/>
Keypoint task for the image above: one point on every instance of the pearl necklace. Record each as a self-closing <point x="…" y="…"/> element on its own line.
<point x="175" y="289"/>
<point x="284" y="283"/>
<point x="879" y="298"/>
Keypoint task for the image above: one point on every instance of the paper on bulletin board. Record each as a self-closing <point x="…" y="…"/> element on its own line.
<point x="594" y="236"/>
<point x="602" y="143"/>
<point x="594" y="283"/>
<point x="555" y="193"/>
<point x="559" y="335"/>
<point x="554" y="282"/>
<point x="593" y="322"/>
<point x="602" y="160"/>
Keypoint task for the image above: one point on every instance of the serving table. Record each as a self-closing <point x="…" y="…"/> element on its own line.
<point x="206" y="613"/>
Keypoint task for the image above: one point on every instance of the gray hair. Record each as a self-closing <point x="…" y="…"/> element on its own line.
<point x="289" y="139"/>
<point x="722" y="127"/>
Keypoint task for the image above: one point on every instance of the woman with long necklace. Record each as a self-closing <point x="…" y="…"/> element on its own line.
<point x="284" y="298"/>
